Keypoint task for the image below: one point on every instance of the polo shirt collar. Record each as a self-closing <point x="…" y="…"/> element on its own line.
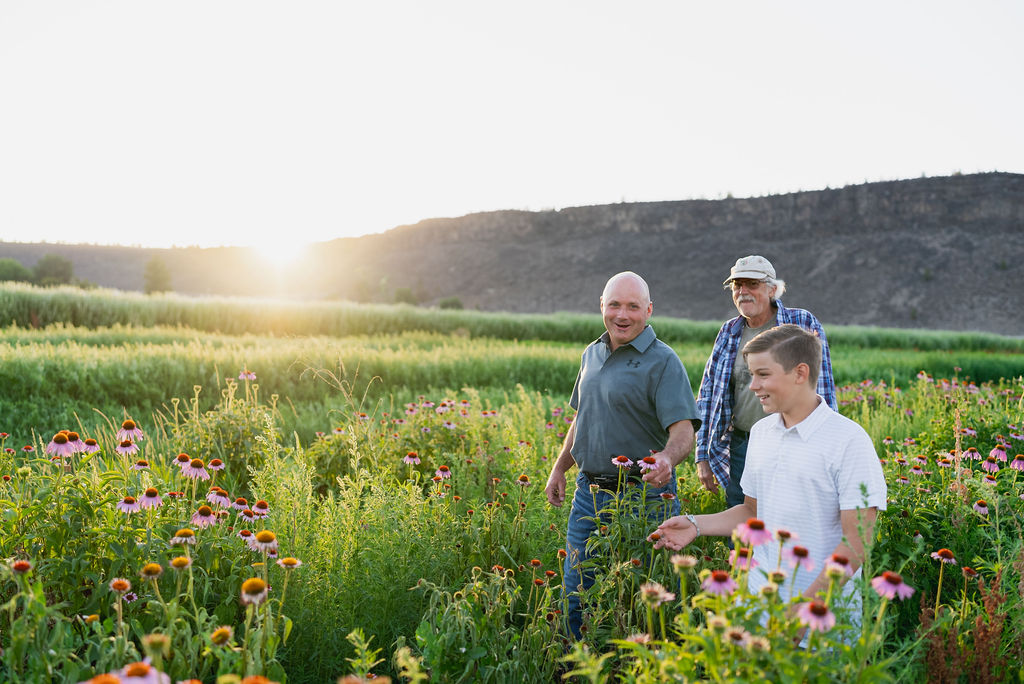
<point x="641" y="342"/>
<point x="809" y="425"/>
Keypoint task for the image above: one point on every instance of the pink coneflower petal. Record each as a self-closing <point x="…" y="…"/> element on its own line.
<point x="890" y="585"/>
<point x="753" y="532"/>
<point x="129" y="504"/>
<point x="742" y="558"/>
<point x="981" y="506"/>
<point x="719" y="582"/>
<point x="60" y="446"/>
<point x="990" y="464"/>
<point x="621" y="462"/>
<point x="944" y="556"/>
<point x="204" y="517"/>
<point x="215" y="464"/>
<point x="411" y="458"/>
<point x="799" y="557"/>
<point x="647" y="463"/>
<point x="443" y="472"/>
<point x="141" y="465"/>
<point x="816" y="616"/>
<point x="130" y="431"/>
<point x="1018" y="462"/>
<point x="151" y="498"/>
<point x="261" y="509"/>
<point x="195" y="469"/>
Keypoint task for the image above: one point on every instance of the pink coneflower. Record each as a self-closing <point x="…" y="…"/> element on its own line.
<point x="449" y="425"/>
<point x="183" y="536"/>
<point x="247" y="515"/>
<point x="443" y="472"/>
<point x="1018" y="462"/>
<point x="215" y="464"/>
<point x="970" y="432"/>
<point x="141" y="464"/>
<point x="28" y="448"/>
<point x="990" y="464"/>
<point x="127" y="448"/>
<point x="888" y="440"/>
<point x="219" y="497"/>
<point x="799" y="557"/>
<point x="971" y="452"/>
<point x="785" y="536"/>
<point x="261" y="509"/>
<point x="129" y="505"/>
<point x="411" y="458"/>
<point x="753" y="532"/>
<point x="944" y="556"/>
<point x="719" y="582"/>
<point x="735" y="636"/>
<point x="945" y="463"/>
<point x="920" y="458"/>
<point x="989" y="479"/>
<point x="21" y="566"/>
<point x="838" y="566"/>
<point x="339" y="431"/>
<point x="195" y="469"/>
<point x="425" y="429"/>
<point x="204" y="517"/>
<point x="264" y="541"/>
<point x="240" y="504"/>
<point x="245" y="535"/>
<point x="246" y="374"/>
<point x="60" y="446"/>
<point x="998" y="452"/>
<point x="981" y="506"/>
<point x="130" y="597"/>
<point x="668" y="496"/>
<point x="523" y="480"/>
<point x="75" y="440"/>
<point x="916" y="470"/>
<point x="129" y="431"/>
<point x="653" y="594"/>
<point x="647" y="463"/>
<point x="176" y="495"/>
<point x="890" y="585"/>
<point x="289" y="563"/>
<point x="621" y="462"/>
<point x="182" y="460"/>
<point x="120" y="585"/>
<point x="816" y="616"/>
<point x="254" y="591"/>
<point x="742" y="558"/>
<point x="151" y="498"/>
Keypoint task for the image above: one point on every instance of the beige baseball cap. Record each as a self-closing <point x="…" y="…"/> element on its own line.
<point x="754" y="267"/>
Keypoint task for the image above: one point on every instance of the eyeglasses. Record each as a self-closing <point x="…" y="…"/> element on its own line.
<point x="744" y="282"/>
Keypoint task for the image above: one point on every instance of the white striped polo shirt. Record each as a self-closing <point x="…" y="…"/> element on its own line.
<point x="802" y="477"/>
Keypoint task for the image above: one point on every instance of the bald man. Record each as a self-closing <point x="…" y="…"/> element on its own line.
<point x="633" y="400"/>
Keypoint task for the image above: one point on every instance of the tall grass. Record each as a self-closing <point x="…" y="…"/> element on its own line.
<point x="28" y="306"/>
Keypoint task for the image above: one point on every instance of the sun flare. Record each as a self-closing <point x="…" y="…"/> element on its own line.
<point x="280" y="251"/>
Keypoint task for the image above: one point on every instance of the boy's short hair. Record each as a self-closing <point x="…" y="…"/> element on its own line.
<point x="789" y="345"/>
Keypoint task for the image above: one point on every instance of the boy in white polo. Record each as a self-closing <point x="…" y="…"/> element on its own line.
<point x="809" y="470"/>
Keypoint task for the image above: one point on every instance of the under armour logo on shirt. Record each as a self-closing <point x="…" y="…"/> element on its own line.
<point x="633" y="363"/>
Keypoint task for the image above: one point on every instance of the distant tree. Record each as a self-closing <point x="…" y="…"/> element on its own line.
<point x="12" y="269"/>
<point x="157" y="277"/>
<point x="404" y="295"/>
<point x="53" y="269"/>
<point x="450" y="303"/>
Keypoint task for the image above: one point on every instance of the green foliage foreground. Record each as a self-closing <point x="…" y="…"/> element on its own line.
<point x="406" y="571"/>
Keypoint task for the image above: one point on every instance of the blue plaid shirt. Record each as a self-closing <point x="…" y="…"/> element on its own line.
<point x="714" y="401"/>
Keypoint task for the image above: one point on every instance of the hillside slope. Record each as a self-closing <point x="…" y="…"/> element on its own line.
<point x="945" y="253"/>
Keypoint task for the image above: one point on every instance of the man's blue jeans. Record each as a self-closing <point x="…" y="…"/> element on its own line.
<point x="582" y="524"/>
<point x="737" y="459"/>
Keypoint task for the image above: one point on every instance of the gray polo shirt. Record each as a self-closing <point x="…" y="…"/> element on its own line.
<point x="625" y="401"/>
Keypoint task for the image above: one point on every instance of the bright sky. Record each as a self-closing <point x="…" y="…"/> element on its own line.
<point x="219" y="122"/>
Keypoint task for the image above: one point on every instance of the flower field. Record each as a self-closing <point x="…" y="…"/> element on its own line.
<point x="246" y="504"/>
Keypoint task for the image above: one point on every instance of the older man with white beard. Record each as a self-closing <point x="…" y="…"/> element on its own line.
<point x="725" y="404"/>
